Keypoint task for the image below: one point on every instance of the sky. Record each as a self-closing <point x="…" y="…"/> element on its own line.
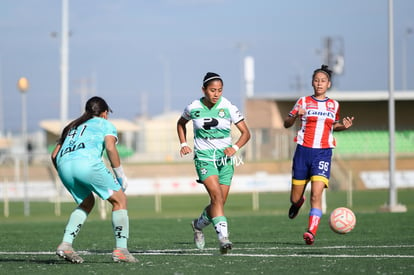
<point x="148" y="57"/>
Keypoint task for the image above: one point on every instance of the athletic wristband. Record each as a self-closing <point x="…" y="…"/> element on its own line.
<point x="183" y="144"/>
<point x="235" y="147"/>
<point x="119" y="172"/>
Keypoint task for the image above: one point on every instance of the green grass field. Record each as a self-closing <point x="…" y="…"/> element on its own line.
<point x="265" y="240"/>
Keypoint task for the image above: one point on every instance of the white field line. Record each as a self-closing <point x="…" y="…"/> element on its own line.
<point x="236" y="253"/>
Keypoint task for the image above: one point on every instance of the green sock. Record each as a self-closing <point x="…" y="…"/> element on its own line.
<point x="76" y="220"/>
<point x="120" y="223"/>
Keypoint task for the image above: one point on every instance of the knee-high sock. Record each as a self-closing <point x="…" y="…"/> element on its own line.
<point x="220" y="224"/>
<point x="120" y="224"/>
<point x="76" y="220"/>
<point x="315" y="216"/>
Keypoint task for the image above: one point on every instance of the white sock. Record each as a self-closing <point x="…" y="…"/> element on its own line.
<point x="220" y="224"/>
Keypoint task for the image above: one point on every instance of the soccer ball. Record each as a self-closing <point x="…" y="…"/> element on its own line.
<point x="342" y="220"/>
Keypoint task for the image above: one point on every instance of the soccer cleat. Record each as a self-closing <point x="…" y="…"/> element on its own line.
<point x="309" y="238"/>
<point x="294" y="208"/>
<point x="123" y="255"/>
<point x="225" y="245"/>
<point x="66" y="252"/>
<point x="198" y="235"/>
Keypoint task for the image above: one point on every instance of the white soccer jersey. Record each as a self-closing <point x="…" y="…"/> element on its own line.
<point x="212" y="127"/>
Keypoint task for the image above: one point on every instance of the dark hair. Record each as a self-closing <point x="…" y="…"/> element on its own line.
<point x="93" y="107"/>
<point x="324" y="69"/>
<point x="211" y="77"/>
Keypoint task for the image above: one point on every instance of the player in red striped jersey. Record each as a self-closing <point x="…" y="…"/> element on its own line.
<point x="319" y="117"/>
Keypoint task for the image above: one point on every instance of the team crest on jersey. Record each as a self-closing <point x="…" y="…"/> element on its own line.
<point x="330" y="106"/>
<point x="204" y="171"/>
<point x="221" y="113"/>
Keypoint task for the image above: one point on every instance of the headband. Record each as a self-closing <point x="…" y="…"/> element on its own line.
<point x="211" y="78"/>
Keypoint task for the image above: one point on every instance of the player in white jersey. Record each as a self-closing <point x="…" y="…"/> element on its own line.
<point x="319" y="117"/>
<point x="212" y="117"/>
<point x="78" y="160"/>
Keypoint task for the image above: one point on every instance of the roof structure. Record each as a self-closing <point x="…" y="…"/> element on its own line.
<point x="5" y="143"/>
<point x="380" y="95"/>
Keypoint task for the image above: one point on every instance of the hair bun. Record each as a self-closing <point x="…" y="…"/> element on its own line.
<point x="324" y="68"/>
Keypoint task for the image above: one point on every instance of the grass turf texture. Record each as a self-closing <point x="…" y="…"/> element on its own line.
<point x="265" y="241"/>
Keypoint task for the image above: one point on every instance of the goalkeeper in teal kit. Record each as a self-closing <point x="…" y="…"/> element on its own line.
<point x="78" y="159"/>
<point x="212" y="117"/>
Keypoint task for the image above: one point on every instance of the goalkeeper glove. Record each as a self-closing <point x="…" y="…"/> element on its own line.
<point x="121" y="178"/>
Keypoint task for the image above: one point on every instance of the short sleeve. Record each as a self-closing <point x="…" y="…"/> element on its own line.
<point x="186" y="113"/>
<point x="235" y="114"/>
<point x="297" y="106"/>
<point x="110" y="130"/>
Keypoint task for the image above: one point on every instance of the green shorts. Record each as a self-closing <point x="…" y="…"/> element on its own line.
<point x="224" y="169"/>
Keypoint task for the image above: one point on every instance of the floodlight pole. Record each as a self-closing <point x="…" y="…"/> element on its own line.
<point x="407" y="32"/>
<point x="249" y="76"/>
<point x="242" y="50"/>
<point x="1" y="102"/>
<point x="23" y="86"/>
<point x="392" y="204"/>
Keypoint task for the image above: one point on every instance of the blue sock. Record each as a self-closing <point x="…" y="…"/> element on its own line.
<point x="76" y="220"/>
<point x="120" y="224"/>
<point x="315" y="212"/>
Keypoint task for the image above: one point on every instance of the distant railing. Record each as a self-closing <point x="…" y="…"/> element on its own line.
<point x="279" y="144"/>
<point x="373" y="142"/>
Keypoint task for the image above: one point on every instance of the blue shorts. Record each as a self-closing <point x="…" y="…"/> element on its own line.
<point x="81" y="178"/>
<point x="311" y="164"/>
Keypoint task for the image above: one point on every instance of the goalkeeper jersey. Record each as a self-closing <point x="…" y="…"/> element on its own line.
<point x="212" y="127"/>
<point x="87" y="141"/>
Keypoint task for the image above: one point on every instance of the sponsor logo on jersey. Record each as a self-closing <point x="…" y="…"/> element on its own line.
<point x="195" y="114"/>
<point x="72" y="148"/>
<point x="321" y="114"/>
